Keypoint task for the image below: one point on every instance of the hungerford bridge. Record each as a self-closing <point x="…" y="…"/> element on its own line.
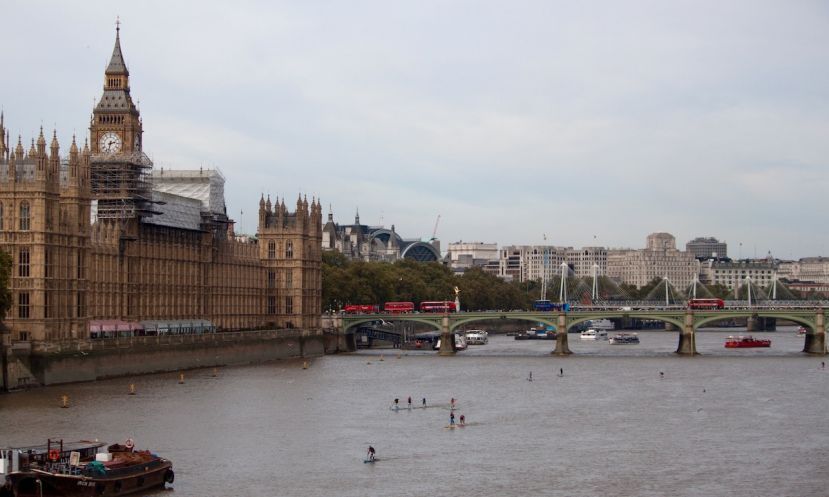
<point x="687" y="321"/>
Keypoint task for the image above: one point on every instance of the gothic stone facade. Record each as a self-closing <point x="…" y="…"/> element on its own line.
<point x="68" y="270"/>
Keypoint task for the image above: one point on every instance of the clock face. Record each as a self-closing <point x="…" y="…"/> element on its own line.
<point x="110" y="143"/>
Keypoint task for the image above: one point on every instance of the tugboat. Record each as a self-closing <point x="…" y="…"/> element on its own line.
<point x="744" y="342"/>
<point x="83" y="469"/>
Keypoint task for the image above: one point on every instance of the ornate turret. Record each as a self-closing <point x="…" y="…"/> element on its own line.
<point x="41" y="143"/>
<point x="54" y="159"/>
<point x="74" y="163"/>
<point x="3" y="145"/>
<point x="18" y="151"/>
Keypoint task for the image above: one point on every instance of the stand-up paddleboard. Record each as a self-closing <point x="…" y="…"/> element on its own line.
<point x="370" y="461"/>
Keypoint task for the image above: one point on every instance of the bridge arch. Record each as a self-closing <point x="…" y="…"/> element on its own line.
<point x="350" y="324"/>
<point x="676" y="320"/>
<point x="471" y="319"/>
<point x="808" y="323"/>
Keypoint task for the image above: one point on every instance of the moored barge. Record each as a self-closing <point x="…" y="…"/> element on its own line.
<point x="83" y="469"/>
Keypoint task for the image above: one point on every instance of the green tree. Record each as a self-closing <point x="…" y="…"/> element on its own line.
<point x="5" y="277"/>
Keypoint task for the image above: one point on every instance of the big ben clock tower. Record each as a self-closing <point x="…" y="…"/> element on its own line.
<point x="116" y="123"/>
<point x="119" y="168"/>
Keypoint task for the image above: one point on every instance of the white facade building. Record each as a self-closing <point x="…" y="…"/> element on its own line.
<point x="464" y="255"/>
<point x="529" y="262"/>
<point x="659" y="259"/>
<point x="732" y="274"/>
<point x="815" y="269"/>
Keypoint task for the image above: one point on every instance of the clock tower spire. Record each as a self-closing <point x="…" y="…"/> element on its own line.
<point x="116" y="123"/>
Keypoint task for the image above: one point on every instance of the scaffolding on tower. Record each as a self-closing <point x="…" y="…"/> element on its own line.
<point x="122" y="185"/>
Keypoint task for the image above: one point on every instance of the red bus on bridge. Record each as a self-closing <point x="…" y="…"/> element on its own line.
<point x="706" y="304"/>
<point x="361" y="309"/>
<point x="440" y="306"/>
<point x="398" y="307"/>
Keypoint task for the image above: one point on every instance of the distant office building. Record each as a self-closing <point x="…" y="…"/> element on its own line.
<point x="465" y="255"/>
<point x="707" y="248"/>
<point x="375" y="243"/>
<point x="659" y="259"/>
<point x="809" y="288"/>
<point x="733" y="274"/>
<point x="813" y="269"/>
<point x="531" y="262"/>
<point x="588" y="260"/>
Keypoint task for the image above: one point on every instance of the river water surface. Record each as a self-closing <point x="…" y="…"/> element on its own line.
<point x="725" y="423"/>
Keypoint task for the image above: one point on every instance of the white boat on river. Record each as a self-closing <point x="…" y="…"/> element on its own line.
<point x="477" y="337"/>
<point x="592" y="334"/>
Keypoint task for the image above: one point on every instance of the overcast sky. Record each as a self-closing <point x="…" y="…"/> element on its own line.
<point x="592" y="122"/>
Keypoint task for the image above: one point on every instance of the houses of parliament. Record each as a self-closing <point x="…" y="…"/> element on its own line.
<point x="100" y="241"/>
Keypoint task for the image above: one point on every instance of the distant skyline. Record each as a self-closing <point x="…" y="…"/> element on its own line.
<point x="511" y="120"/>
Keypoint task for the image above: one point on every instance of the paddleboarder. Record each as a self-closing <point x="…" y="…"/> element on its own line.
<point x="370" y="453"/>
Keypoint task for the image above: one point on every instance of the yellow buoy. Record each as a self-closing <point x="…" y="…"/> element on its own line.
<point x="305" y="365"/>
<point x="399" y="355"/>
<point x="215" y="372"/>
<point x="132" y="388"/>
<point x="64" y="401"/>
<point x="180" y="378"/>
<point x="381" y="357"/>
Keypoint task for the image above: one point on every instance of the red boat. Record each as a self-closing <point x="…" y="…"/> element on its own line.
<point x="744" y="342"/>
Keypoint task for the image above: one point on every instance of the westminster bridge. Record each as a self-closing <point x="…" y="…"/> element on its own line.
<point x="686" y="321"/>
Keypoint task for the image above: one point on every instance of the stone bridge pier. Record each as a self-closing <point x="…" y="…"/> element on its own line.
<point x="447" y="338"/>
<point x="816" y="339"/>
<point x="561" y="337"/>
<point x="687" y="336"/>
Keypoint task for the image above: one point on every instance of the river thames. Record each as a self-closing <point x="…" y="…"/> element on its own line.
<point x="727" y="422"/>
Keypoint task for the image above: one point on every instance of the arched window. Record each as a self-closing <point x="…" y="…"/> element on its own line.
<point x="289" y="250"/>
<point x="271" y="249"/>
<point x="24" y="216"/>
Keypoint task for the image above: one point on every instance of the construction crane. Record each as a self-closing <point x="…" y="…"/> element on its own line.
<point x="435" y="231"/>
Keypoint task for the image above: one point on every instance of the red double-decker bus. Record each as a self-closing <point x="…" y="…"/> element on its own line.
<point x="706" y="304"/>
<point x="398" y="307"/>
<point x="361" y="309"/>
<point x="440" y="306"/>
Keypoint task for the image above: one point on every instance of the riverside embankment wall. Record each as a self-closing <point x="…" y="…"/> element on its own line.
<point x="88" y="360"/>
